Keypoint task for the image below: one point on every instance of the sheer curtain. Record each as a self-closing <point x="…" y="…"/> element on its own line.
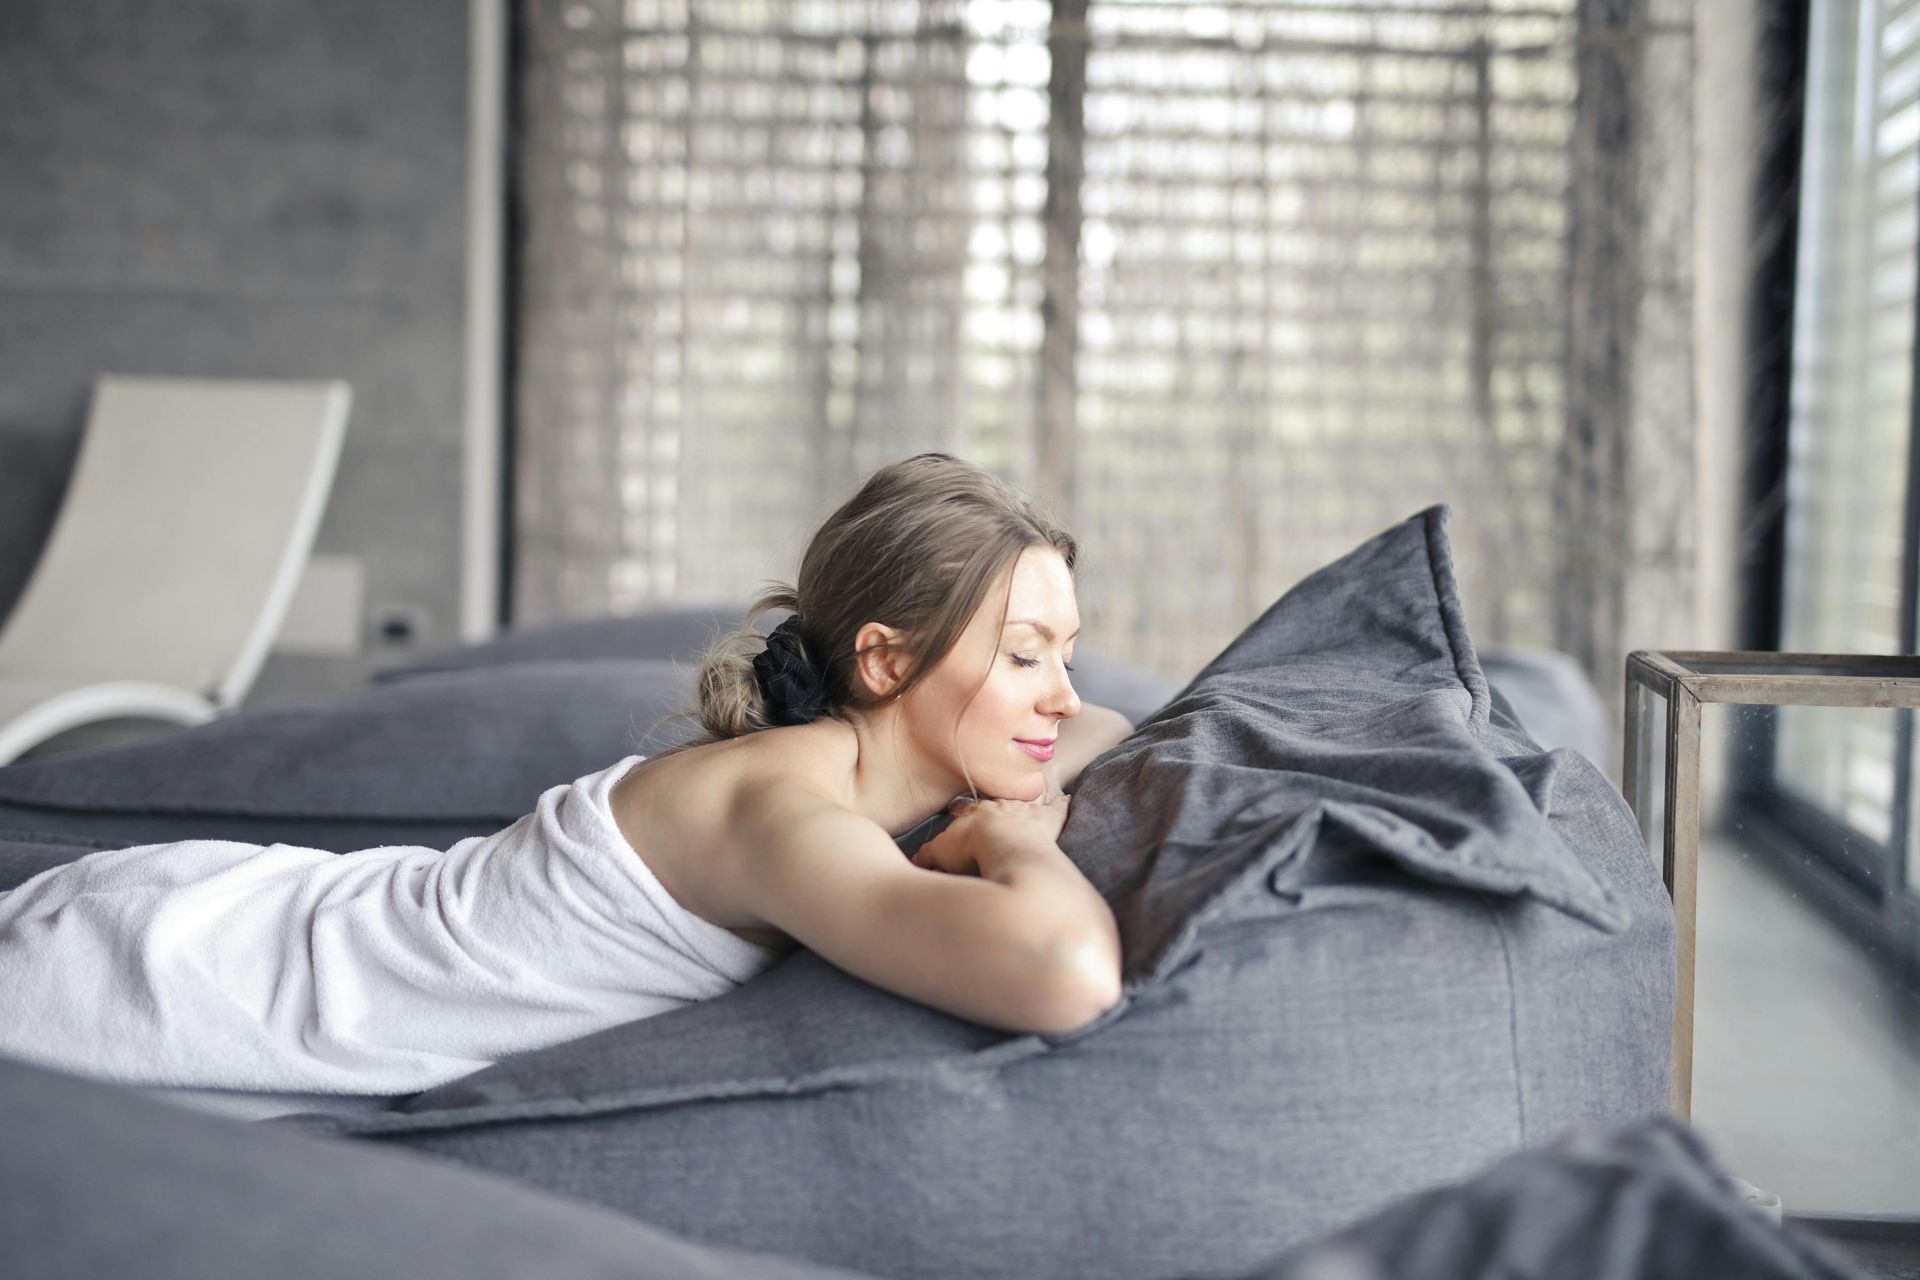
<point x="1231" y="286"/>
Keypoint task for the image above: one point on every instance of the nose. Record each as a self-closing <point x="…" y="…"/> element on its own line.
<point x="1060" y="699"/>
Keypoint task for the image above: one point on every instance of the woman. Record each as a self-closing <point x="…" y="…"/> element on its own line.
<point x="925" y="665"/>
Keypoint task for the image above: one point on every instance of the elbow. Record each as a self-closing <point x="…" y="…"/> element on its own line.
<point x="1085" y="984"/>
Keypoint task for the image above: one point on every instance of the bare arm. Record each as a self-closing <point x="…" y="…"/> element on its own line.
<point x="1087" y="939"/>
<point x="1082" y="739"/>
<point x="1013" y="949"/>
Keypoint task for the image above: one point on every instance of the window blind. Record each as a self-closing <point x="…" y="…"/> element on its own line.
<point x="1851" y="408"/>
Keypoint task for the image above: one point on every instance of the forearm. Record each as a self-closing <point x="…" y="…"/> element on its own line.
<point x="1074" y="929"/>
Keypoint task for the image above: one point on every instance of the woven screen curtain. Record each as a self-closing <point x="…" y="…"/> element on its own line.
<point x="1230" y="286"/>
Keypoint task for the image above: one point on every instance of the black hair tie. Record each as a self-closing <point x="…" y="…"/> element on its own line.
<point x="795" y="690"/>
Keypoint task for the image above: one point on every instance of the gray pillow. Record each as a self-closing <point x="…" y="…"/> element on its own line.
<point x="425" y="762"/>
<point x="1374" y="936"/>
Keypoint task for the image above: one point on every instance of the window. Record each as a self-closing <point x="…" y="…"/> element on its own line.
<point x="1841" y="783"/>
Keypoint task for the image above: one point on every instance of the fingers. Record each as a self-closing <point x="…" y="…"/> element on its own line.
<point x="960" y="804"/>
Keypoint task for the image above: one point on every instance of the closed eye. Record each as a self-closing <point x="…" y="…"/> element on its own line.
<point x="1033" y="662"/>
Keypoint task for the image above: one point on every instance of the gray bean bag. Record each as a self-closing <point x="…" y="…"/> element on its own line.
<point x="1375" y="937"/>
<point x="97" y="1183"/>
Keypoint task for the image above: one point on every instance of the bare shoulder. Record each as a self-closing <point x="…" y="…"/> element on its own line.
<point x="717" y="778"/>
<point x="783" y="772"/>
<point x="795" y="800"/>
<point x="698" y="817"/>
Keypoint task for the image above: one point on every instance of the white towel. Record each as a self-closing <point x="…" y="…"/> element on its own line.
<point x="256" y="979"/>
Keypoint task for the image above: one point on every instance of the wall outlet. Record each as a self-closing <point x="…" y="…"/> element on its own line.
<point x="401" y="626"/>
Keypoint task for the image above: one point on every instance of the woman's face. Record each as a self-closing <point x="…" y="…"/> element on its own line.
<point x="1027" y="691"/>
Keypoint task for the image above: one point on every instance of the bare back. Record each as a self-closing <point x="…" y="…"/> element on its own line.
<point x="676" y="812"/>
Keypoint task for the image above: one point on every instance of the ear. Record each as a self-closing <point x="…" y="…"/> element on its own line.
<point x="878" y="670"/>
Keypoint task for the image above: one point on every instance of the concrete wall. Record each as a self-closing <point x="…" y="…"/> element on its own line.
<point x="246" y="188"/>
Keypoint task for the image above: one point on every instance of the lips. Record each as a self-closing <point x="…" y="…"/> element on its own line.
<point x="1042" y="750"/>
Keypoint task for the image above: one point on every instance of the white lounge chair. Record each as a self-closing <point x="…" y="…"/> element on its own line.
<point x="181" y="539"/>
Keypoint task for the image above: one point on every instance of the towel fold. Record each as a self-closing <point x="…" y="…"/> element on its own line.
<point x="210" y="965"/>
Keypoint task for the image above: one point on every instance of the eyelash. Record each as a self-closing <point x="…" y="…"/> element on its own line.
<point x="1033" y="662"/>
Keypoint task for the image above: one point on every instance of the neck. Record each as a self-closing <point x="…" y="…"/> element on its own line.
<point x="892" y="781"/>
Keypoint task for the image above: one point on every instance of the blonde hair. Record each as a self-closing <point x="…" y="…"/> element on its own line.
<point x="915" y="549"/>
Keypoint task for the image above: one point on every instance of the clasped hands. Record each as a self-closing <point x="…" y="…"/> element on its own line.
<point x="985" y="829"/>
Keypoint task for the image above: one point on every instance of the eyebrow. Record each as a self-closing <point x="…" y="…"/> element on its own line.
<point x="1041" y="627"/>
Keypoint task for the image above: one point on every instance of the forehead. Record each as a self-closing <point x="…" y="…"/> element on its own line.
<point x="1042" y="588"/>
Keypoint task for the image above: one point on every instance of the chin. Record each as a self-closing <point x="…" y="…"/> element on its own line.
<point x="1032" y="788"/>
<point x="1013" y="782"/>
<point x="1026" y="788"/>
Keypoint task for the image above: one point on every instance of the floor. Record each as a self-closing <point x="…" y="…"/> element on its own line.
<point x="1806" y="1075"/>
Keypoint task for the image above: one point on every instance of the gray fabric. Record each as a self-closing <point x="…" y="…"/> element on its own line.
<point x="1641" y="1202"/>
<point x="680" y="633"/>
<point x="98" y="1183"/>
<point x="1375" y="937"/>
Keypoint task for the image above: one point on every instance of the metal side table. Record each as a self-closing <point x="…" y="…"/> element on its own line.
<point x="1686" y="679"/>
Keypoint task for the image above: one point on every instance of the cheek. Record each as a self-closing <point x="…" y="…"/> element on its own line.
<point x="996" y="712"/>
<point x="982" y="718"/>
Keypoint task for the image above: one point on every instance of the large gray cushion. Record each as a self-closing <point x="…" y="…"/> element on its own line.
<point x="97" y="1182"/>
<point x="1374" y="935"/>
<point x="424" y="762"/>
